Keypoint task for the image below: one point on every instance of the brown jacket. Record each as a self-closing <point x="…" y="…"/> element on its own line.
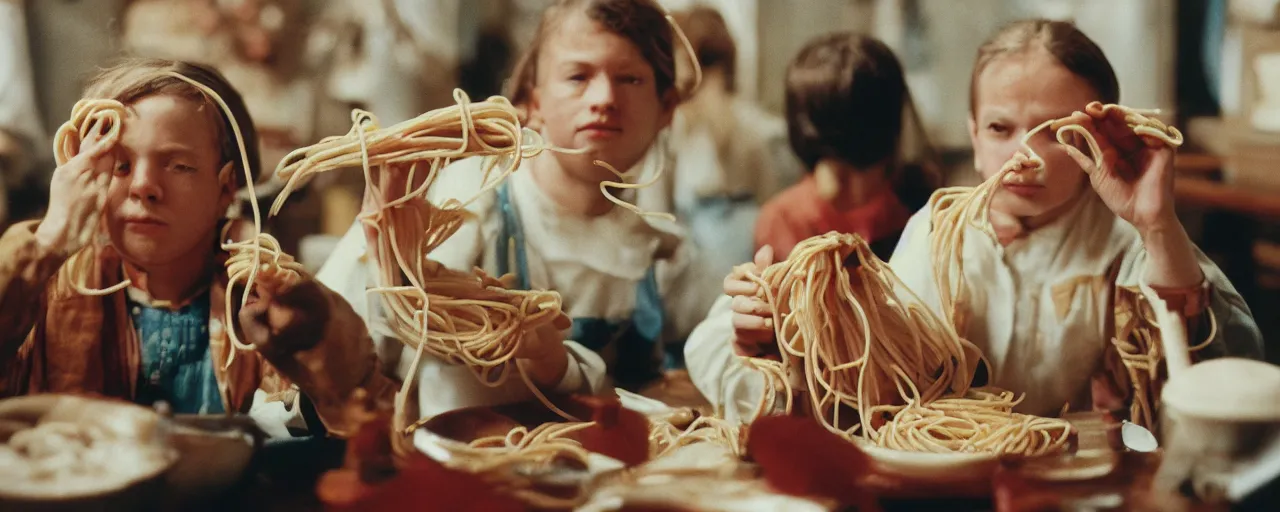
<point x="55" y="340"/>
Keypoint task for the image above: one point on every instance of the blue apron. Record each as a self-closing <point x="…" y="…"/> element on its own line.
<point x="635" y="339"/>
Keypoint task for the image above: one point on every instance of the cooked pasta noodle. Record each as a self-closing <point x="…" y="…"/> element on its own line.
<point x="465" y="318"/>
<point x="85" y="115"/>
<point x="1137" y="341"/>
<point x="976" y="422"/>
<point x="665" y="438"/>
<point x="955" y="210"/>
<point x="851" y="337"/>
<point x="860" y="344"/>
<point x="510" y="460"/>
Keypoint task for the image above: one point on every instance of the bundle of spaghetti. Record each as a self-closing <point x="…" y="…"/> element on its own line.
<point x="244" y="256"/>
<point x="665" y="438"/>
<point x="1137" y="341"/>
<point x="980" y="421"/>
<point x="488" y="128"/>
<point x="545" y="445"/>
<point x="85" y="115"/>
<point x="850" y="340"/>
<point x="956" y="209"/>
<point x="463" y="318"/>
<point x="469" y="319"/>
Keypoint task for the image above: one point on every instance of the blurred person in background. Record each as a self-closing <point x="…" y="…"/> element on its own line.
<point x="21" y="132"/>
<point x="730" y="154"/>
<point x="47" y="50"/>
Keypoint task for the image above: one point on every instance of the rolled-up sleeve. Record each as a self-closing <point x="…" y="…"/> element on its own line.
<point x="1236" y="333"/>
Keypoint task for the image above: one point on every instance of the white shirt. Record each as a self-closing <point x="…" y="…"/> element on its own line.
<point x="594" y="263"/>
<point x="1039" y="309"/>
<point x="1041" y="317"/>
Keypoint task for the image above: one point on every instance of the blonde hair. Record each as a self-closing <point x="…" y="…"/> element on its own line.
<point x="134" y="79"/>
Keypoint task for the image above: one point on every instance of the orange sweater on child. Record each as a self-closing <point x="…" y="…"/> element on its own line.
<point x="799" y="212"/>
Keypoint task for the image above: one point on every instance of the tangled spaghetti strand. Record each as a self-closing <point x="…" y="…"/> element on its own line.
<point x="956" y="209"/>
<point x="464" y="318"/>
<point x="858" y="347"/>
<point x="85" y="115"/>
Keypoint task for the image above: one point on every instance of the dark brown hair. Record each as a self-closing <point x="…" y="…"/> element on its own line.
<point x="1066" y="43"/>
<point x="712" y="43"/>
<point x="845" y="95"/>
<point x="642" y="22"/>
<point x="134" y="79"/>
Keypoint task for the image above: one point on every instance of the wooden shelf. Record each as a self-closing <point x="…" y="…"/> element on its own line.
<point x="1198" y="185"/>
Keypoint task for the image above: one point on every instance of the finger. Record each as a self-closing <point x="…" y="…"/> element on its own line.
<point x="102" y="183"/>
<point x="100" y="202"/>
<point x="735" y="287"/>
<point x="1084" y="161"/>
<point x="269" y="283"/>
<point x="306" y="295"/>
<point x="1108" y="154"/>
<point x="752" y="323"/>
<point x="751" y="306"/>
<point x="253" y="323"/>
<point x="1095" y="109"/>
<point x="103" y="162"/>
<point x="1113" y="126"/>
<point x="764" y="258"/>
<point x="96" y="142"/>
<point x="1076" y="117"/>
<point x="1153" y="142"/>
<point x="91" y="138"/>
<point x="562" y="322"/>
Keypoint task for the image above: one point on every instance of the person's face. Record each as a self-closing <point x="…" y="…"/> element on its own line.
<point x="595" y="90"/>
<point x="1014" y="94"/>
<point x="169" y="190"/>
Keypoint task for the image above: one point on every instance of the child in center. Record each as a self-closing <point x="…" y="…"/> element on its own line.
<point x="599" y="75"/>
<point x="846" y="96"/>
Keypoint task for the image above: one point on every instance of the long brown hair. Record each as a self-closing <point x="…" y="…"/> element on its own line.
<point x="134" y="79"/>
<point x="642" y="22"/>
<point x="1066" y="43"/>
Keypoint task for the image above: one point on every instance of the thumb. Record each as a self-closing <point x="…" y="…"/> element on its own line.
<point x="1085" y="162"/>
<point x="764" y="258"/>
<point x="253" y="322"/>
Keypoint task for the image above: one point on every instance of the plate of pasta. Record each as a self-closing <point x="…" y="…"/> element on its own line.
<point x="861" y="355"/>
<point x="69" y="449"/>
